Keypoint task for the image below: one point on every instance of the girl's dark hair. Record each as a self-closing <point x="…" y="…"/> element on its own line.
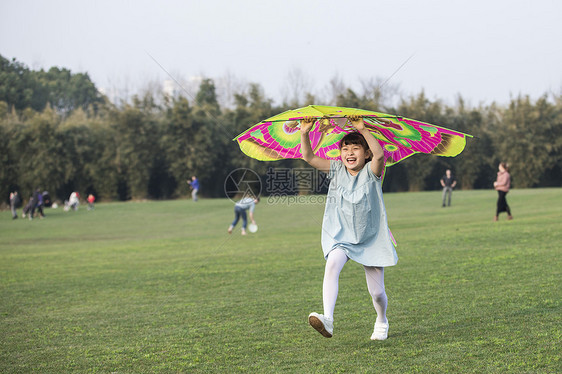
<point x="505" y="166"/>
<point x="355" y="138"/>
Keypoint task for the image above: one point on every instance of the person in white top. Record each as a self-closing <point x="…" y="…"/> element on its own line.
<point x="240" y="208"/>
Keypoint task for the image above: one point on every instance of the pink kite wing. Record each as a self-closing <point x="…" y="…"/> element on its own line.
<point x="278" y="137"/>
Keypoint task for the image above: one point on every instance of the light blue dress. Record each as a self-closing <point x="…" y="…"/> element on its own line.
<point x="355" y="217"/>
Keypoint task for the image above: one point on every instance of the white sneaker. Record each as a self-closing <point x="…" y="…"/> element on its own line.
<point x="323" y="325"/>
<point x="380" y="332"/>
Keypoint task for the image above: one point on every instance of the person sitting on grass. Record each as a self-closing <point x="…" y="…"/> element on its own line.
<point x="355" y="225"/>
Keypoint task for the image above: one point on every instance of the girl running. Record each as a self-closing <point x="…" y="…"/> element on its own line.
<point x="355" y="224"/>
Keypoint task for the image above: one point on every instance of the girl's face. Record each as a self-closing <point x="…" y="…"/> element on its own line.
<point x="500" y="168"/>
<point x="354" y="157"/>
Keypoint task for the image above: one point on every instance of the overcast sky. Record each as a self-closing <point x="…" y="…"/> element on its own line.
<point x="482" y="50"/>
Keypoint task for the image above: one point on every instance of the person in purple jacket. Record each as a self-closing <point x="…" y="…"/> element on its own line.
<point x="194" y="183"/>
<point x="38" y="197"/>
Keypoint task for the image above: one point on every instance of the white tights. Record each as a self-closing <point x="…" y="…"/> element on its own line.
<point x="375" y="284"/>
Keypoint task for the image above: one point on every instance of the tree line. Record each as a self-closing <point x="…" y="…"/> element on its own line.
<point x="59" y="133"/>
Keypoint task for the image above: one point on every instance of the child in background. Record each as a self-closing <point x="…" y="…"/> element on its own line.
<point x="29" y="207"/>
<point x="355" y="224"/>
<point x="91" y="200"/>
<point x="72" y="202"/>
<point x="245" y="204"/>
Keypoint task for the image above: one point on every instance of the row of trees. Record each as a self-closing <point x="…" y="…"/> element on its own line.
<point x="65" y="138"/>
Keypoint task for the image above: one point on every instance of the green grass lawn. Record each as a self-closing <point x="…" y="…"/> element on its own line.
<point x="161" y="287"/>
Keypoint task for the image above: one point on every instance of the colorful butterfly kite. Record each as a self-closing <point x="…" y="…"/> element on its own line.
<point x="278" y="137"/>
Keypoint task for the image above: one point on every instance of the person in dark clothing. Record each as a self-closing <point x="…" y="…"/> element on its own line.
<point x="47" y="199"/>
<point x="38" y="196"/>
<point x="448" y="182"/>
<point x="38" y="199"/>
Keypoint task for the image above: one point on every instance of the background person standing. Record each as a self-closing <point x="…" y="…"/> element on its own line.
<point x="448" y="182"/>
<point x="91" y="199"/>
<point x="15" y="202"/>
<point x="194" y="183"/>
<point x="502" y="185"/>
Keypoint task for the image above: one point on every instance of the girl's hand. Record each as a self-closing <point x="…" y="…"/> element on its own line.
<point x="357" y="122"/>
<point x="307" y="123"/>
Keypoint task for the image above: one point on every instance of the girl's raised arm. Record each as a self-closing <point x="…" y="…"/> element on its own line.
<point x="306" y="149"/>
<point x="377" y="163"/>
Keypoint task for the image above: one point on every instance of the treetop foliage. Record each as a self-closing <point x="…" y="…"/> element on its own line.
<point x="22" y="88"/>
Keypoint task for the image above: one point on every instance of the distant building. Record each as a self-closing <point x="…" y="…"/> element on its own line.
<point x="170" y="89"/>
<point x="113" y="94"/>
